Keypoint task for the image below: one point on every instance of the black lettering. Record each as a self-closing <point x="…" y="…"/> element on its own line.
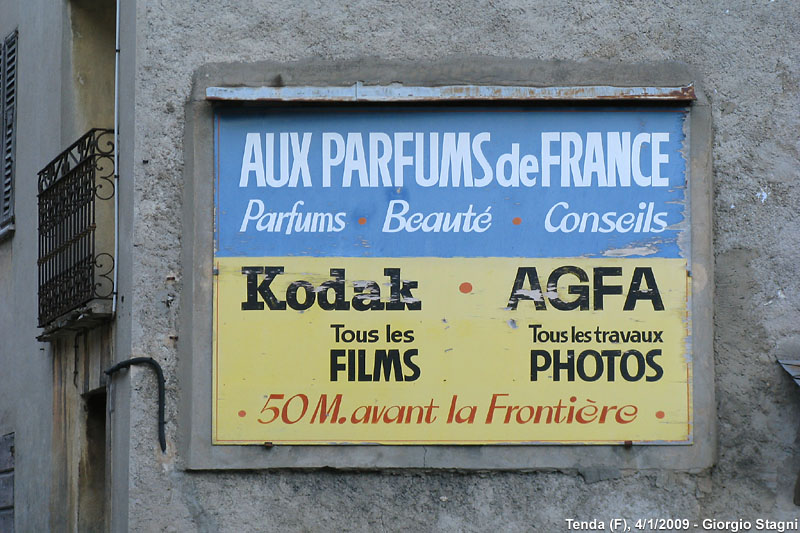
<point x="351" y="365"/>
<point x="518" y="293"/>
<point x="610" y="355"/>
<point x="252" y="303"/>
<point x="636" y="293"/>
<point x="598" y="365"/>
<point x="535" y="366"/>
<point x="389" y="362"/>
<point x="291" y="295"/>
<point x="367" y="296"/>
<point x="400" y="296"/>
<point x="336" y="366"/>
<point x="254" y="289"/>
<point x="415" y="372"/>
<point x="651" y="355"/>
<point x="601" y="289"/>
<point x="362" y="366"/>
<point x="568" y="365"/>
<point x="582" y="291"/>
<point x="337" y="286"/>
<point x="640" y="366"/>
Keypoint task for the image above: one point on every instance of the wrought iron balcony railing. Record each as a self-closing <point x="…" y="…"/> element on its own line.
<point x="75" y="263"/>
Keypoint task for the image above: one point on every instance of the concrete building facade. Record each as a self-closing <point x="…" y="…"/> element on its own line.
<point x="80" y="450"/>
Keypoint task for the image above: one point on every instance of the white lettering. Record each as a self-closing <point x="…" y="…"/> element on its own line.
<point x="513" y="159"/>
<point x="439" y="221"/>
<point x="548" y="160"/>
<point x="643" y="221"/>
<point x="252" y="161"/>
<point x="249" y="214"/>
<point x="570" y="159"/>
<point x="400" y="159"/>
<point x="380" y="152"/>
<point x="354" y="160"/>
<point x="328" y="161"/>
<point x="636" y="154"/>
<point x="659" y="158"/>
<point x="456" y="159"/>
<point x="300" y="159"/>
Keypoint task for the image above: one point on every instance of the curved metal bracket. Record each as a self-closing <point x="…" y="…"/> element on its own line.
<point x="162" y="439"/>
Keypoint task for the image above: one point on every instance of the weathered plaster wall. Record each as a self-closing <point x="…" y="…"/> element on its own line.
<point x="26" y="373"/>
<point x="746" y="53"/>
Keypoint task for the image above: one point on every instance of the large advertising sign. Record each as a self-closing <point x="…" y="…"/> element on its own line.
<point x="454" y="275"/>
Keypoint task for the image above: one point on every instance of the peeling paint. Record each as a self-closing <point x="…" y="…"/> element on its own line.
<point x="533" y="294"/>
<point x="396" y="92"/>
<point x="633" y="250"/>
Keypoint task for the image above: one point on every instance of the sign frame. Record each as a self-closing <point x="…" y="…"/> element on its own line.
<point x="194" y="363"/>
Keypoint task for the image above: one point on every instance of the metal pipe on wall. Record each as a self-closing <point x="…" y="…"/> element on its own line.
<point x="116" y="160"/>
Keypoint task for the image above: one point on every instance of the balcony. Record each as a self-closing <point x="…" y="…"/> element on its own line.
<point x="76" y="234"/>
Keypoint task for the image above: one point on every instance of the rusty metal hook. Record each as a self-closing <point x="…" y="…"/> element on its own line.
<point x="162" y="439"/>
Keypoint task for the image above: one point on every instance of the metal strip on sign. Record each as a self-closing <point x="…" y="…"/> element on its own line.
<point x="389" y="93"/>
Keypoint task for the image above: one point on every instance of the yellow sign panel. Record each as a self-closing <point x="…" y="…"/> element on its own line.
<point x="430" y="350"/>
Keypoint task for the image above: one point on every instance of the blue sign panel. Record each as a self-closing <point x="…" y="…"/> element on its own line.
<point x="477" y="183"/>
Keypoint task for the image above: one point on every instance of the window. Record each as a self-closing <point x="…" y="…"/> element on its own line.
<point x="7" y="482"/>
<point x="8" y="93"/>
<point x="75" y="217"/>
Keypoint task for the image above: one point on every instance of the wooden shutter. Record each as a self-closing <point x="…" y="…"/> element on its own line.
<point x="9" y="101"/>
<point x="7" y="483"/>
